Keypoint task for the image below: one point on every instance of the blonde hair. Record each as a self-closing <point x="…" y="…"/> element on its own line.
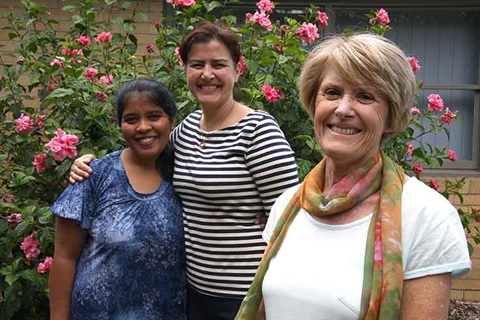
<point x="362" y="58"/>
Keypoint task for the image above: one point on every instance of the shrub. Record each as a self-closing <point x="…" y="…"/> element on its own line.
<point x="56" y="101"/>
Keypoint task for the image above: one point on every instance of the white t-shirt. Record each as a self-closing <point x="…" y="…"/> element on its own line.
<point x="318" y="271"/>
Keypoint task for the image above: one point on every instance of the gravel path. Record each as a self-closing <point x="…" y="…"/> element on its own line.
<point x="464" y="310"/>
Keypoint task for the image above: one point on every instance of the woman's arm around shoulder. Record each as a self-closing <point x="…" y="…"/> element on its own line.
<point x="426" y="298"/>
<point x="69" y="241"/>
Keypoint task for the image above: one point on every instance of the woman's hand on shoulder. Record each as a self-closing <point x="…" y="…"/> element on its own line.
<point x="261" y="220"/>
<point x="80" y="169"/>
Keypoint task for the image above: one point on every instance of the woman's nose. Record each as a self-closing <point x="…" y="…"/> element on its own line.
<point x="207" y="72"/>
<point x="345" y="106"/>
<point x="143" y="125"/>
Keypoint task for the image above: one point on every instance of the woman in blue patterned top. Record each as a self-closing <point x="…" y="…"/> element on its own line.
<point x="119" y="243"/>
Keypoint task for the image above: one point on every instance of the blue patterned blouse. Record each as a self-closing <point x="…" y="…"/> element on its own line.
<point x="133" y="262"/>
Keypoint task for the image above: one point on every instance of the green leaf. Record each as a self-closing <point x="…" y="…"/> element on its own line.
<point x="45" y="217"/>
<point x="70" y="8"/>
<point x="60" y="93"/>
<point x="210" y="6"/>
<point x="29" y="274"/>
<point x="11" y="278"/>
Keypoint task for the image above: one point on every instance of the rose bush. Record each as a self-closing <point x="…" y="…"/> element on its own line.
<point x="56" y="102"/>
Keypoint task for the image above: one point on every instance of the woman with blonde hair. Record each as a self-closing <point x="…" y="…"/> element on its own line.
<point x="358" y="239"/>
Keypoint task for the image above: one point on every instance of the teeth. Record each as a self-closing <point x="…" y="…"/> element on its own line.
<point x="345" y="131"/>
<point x="209" y="87"/>
<point x="146" y="140"/>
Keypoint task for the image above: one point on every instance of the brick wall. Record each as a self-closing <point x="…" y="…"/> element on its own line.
<point x="145" y="29"/>
<point x="467" y="287"/>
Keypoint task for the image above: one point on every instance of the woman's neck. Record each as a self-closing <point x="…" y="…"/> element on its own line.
<point x="128" y="158"/>
<point x="216" y="118"/>
<point x="143" y="176"/>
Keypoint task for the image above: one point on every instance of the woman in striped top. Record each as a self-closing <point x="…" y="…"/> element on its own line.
<point x="231" y="163"/>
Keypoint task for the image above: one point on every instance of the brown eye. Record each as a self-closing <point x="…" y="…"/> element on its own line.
<point x="332" y="94"/>
<point x="365" y="98"/>
<point x="129" y="119"/>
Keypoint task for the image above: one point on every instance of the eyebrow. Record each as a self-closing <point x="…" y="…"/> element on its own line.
<point x="203" y="60"/>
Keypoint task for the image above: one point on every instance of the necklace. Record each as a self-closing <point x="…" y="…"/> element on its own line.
<point x="203" y="142"/>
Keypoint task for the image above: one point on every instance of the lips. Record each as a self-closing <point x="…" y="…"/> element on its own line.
<point x="208" y="88"/>
<point x="145" y="141"/>
<point x="344" y="131"/>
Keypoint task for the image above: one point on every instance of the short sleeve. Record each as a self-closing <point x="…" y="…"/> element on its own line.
<point x="434" y="239"/>
<point x="76" y="203"/>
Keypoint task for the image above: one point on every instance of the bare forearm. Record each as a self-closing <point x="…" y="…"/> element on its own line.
<point x="62" y="275"/>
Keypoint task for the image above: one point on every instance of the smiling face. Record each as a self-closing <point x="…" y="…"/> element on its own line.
<point x="146" y="128"/>
<point x="350" y="120"/>
<point x="211" y="74"/>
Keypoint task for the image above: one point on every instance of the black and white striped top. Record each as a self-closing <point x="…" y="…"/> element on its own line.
<point x="239" y="173"/>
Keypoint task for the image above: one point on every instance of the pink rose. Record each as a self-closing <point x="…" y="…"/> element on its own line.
<point x="265" y="6"/>
<point x="434" y="184"/>
<point x="410" y="148"/>
<point x="101" y="96"/>
<point x="44" y="267"/>
<point x="14" y="218"/>
<point x="40" y="120"/>
<point x="62" y="145"/>
<point x="271" y="94"/>
<point x="104" y="37"/>
<point x="83" y="40"/>
<point x="176" y="53"/>
<point x="382" y="16"/>
<point x="76" y="52"/>
<point x="261" y="19"/>
<point x="56" y="62"/>
<point x="308" y="32"/>
<point x="157" y="25"/>
<point x="52" y="84"/>
<point x="414" y="64"/>
<point x="242" y="65"/>
<point x="65" y="51"/>
<point x="451" y="155"/>
<point x="186" y="3"/>
<point x="417" y="169"/>
<point x="435" y="102"/>
<point x="24" y="123"/>
<point x="414" y="111"/>
<point x="108" y="80"/>
<point x="30" y="247"/>
<point x="150" y="48"/>
<point x="39" y="162"/>
<point x="322" y="19"/>
<point x="90" y="73"/>
<point x="447" y="117"/>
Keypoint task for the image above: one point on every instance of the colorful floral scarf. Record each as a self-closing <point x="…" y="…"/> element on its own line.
<point x="383" y="270"/>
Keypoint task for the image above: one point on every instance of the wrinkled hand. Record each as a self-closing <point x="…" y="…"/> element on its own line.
<point x="80" y="170"/>
<point x="261" y="220"/>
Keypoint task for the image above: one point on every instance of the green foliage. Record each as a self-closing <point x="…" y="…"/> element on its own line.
<point x="47" y="82"/>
